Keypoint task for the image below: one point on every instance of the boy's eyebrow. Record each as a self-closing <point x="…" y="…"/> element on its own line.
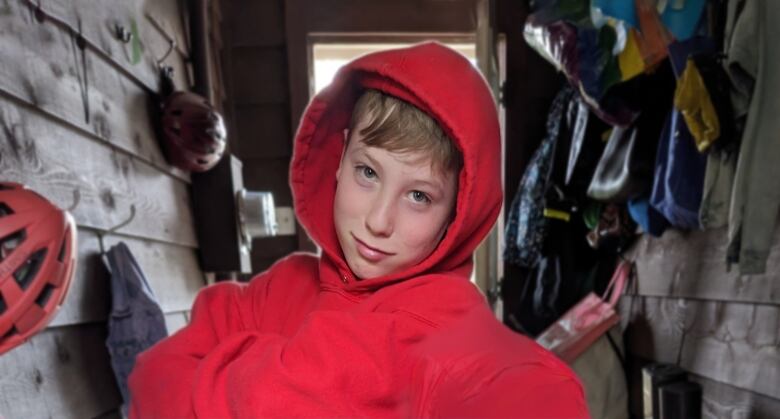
<point x="433" y="185"/>
<point x="371" y="159"/>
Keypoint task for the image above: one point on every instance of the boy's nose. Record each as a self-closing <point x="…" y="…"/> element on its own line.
<point x="379" y="221"/>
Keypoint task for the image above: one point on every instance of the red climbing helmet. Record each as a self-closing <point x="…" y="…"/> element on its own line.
<point x="37" y="261"/>
<point x="193" y="131"/>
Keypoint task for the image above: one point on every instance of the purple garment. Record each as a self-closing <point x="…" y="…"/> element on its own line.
<point x="136" y="321"/>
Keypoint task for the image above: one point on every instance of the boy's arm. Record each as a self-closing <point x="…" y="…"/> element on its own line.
<point x="162" y="379"/>
<point x="337" y="364"/>
<point x="519" y="392"/>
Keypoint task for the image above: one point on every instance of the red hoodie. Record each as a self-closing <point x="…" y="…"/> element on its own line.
<point x="305" y="338"/>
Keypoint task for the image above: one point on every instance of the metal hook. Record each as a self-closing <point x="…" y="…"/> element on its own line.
<point x="171" y="46"/>
<point x="123" y="223"/>
<point x="122" y="33"/>
<point x="101" y="235"/>
<point x="76" y="199"/>
<point x="38" y="12"/>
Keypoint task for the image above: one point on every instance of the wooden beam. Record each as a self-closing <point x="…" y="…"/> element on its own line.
<point x="693" y="265"/>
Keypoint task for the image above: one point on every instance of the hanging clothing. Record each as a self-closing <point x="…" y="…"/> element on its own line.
<point x="526" y="223"/>
<point x="136" y="321"/>
<point x="754" y="68"/>
<point x="308" y="339"/>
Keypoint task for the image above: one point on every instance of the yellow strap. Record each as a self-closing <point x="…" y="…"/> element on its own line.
<point x="557" y="214"/>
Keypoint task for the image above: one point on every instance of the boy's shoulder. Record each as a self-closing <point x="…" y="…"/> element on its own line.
<point x="296" y="263"/>
<point x="277" y="279"/>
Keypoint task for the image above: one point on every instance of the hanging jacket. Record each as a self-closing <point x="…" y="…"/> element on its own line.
<point x="526" y="224"/>
<point x="136" y="321"/>
<point x="754" y="68"/>
<point x="308" y="339"/>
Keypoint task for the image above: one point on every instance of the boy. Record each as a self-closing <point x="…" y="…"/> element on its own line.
<point x="396" y="176"/>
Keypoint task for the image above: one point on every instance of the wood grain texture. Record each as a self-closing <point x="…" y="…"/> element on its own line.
<point x="729" y="342"/>
<point x="98" y="24"/>
<point x="719" y="400"/>
<point x="172" y="272"/>
<point x="693" y="265"/>
<point x="58" y="162"/>
<point x="60" y="373"/>
<point x="41" y="66"/>
<point x="722" y="401"/>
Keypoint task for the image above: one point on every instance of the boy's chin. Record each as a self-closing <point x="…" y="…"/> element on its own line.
<point x="366" y="270"/>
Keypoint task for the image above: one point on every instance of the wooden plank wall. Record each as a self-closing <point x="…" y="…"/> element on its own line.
<point x="77" y="129"/>
<point x="724" y="328"/>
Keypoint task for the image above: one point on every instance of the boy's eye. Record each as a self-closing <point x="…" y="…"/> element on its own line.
<point x="420" y="197"/>
<point x="366" y="171"/>
<point x="369" y="172"/>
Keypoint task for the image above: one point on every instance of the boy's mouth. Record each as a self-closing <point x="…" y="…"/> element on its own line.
<point x="371" y="253"/>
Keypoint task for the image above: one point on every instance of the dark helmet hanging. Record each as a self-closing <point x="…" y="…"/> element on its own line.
<point x="194" y="135"/>
<point x="37" y="261"/>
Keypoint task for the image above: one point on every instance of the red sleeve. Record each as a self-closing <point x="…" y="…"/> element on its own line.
<point x="521" y="392"/>
<point x="337" y="365"/>
<point x="162" y="379"/>
<point x="334" y="364"/>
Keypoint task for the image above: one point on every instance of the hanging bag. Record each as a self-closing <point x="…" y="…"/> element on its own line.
<point x="588" y="338"/>
<point x="625" y="168"/>
<point x="587" y="321"/>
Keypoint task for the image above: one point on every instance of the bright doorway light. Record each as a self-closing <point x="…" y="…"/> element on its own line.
<point x="329" y="57"/>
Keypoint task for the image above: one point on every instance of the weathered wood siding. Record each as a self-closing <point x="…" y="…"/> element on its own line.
<point x="722" y="327"/>
<point x="75" y="126"/>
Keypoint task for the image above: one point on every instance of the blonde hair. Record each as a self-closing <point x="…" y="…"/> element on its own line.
<point x="397" y="126"/>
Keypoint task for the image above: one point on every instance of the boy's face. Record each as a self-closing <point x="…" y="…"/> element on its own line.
<point x="391" y="210"/>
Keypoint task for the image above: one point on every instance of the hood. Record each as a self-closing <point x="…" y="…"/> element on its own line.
<point x="443" y="84"/>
